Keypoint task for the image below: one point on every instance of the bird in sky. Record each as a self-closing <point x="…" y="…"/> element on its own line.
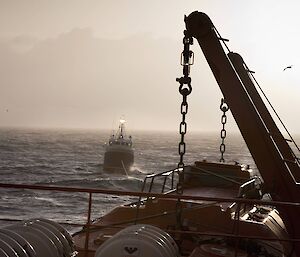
<point x="288" y="67"/>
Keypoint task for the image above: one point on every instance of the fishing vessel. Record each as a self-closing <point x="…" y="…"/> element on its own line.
<point x="206" y="209"/>
<point x="119" y="154"/>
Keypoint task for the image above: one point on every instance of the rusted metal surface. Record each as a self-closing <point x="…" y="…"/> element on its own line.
<point x="86" y="251"/>
<point x="253" y="120"/>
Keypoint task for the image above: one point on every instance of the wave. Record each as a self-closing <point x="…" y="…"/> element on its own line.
<point x="48" y="201"/>
<point x="74" y="159"/>
<point x="128" y="183"/>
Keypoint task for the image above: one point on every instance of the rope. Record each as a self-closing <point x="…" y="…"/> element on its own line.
<point x="273" y="109"/>
<point x="165" y="213"/>
<point x="268" y="101"/>
<point x="220" y="38"/>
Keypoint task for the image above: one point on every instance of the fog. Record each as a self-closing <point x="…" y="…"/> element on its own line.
<point x="69" y="64"/>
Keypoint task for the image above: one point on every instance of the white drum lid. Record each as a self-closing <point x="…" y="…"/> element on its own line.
<point x="42" y="244"/>
<point x="49" y="233"/>
<point x="128" y="246"/>
<point x="38" y="238"/>
<point x="60" y="229"/>
<point x="139" y="240"/>
<point x="8" y="249"/>
<point x="14" y="244"/>
<point x="21" y="240"/>
<point x="153" y="239"/>
<point x="162" y="236"/>
<point x="55" y="230"/>
<point x="3" y="254"/>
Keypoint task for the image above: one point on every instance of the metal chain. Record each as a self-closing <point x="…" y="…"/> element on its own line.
<point x="224" y="108"/>
<point x="185" y="88"/>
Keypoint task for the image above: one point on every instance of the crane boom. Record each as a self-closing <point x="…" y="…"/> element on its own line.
<point x="274" y="158"/>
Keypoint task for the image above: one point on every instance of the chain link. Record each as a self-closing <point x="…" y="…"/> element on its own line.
<point x="185" y="88"/>
<point x="224" y="108"/>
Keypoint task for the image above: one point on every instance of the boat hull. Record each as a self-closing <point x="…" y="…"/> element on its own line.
<point x="118" y="159"/>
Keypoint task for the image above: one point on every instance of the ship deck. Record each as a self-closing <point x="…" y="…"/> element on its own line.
<point x="210" y="193"/>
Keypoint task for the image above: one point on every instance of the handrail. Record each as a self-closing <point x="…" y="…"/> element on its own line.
<point x="151" y="194"/>
<point x="165" y="175"/>
<point x="211" y="200"/>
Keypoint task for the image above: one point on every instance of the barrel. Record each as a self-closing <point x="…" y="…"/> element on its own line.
<point x="35" y="238"/>
<point x="139" y="240"/>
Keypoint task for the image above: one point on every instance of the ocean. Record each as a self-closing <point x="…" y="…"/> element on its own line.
<point x="75" y="158"/>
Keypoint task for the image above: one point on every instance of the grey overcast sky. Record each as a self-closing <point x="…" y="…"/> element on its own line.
<point x="84" y="64"/>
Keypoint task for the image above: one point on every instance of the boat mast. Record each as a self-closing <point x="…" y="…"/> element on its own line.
<point x="121" y="128"/>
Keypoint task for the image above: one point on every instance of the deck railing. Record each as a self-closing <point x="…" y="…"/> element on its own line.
<point x="162" y="195"/>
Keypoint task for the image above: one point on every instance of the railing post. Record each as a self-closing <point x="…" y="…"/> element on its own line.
<point x="86" y="246"/>
<point x="236" y="228"/>
<point x="164" y="184"/>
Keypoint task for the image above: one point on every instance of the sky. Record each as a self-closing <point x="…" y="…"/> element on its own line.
<point x="85" y="64"/>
